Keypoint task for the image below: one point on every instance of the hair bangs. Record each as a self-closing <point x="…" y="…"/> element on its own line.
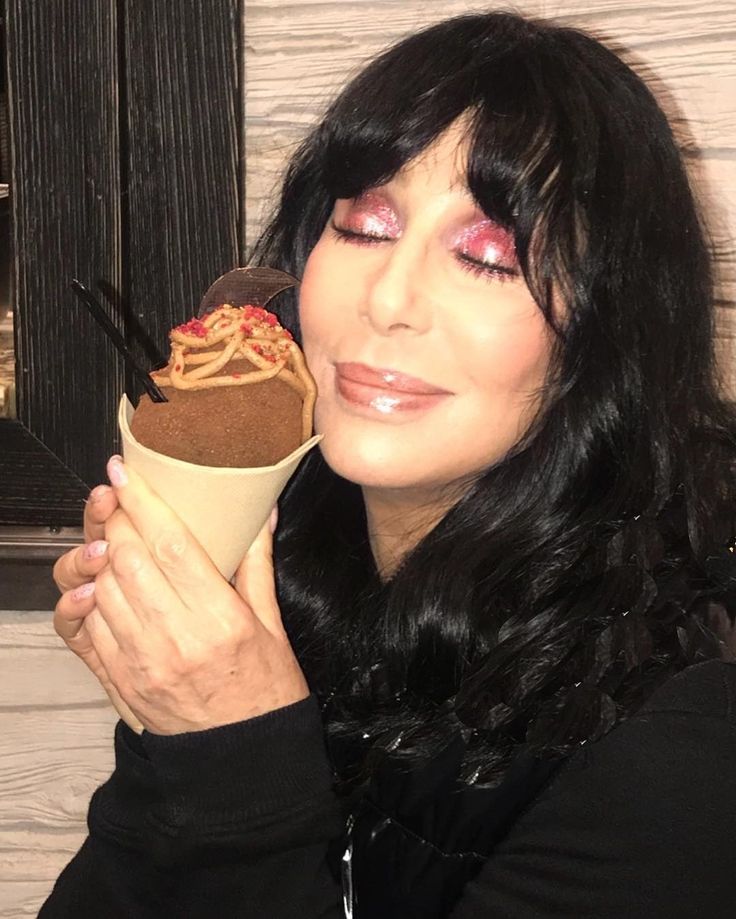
<point x="381" y="124"/>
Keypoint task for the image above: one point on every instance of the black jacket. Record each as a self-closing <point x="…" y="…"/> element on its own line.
<point x="241" y="821"/>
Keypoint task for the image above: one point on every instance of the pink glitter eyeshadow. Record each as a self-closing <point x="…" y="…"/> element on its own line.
<point x="487" y="242"/>
<point x="371" y="213"/>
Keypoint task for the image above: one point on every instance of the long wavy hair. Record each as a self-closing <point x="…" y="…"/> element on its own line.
<point x="592" y="563"/>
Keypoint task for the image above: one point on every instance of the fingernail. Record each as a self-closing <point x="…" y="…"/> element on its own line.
<point x="95" y="549"/>
<point x="116" y="472"/>
<point x="98" y="493"/>
<point x="273" y="520"/>
<point x="83" y="591"/>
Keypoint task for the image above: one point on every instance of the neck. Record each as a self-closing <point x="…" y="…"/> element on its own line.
<point x="398" y="519"/>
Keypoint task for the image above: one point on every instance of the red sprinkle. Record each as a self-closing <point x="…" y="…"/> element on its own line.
<point x="236" y="376"/>
<point x="256" y="312"/>
<point x="193" y="327"/>
<point x="177" y="367"/>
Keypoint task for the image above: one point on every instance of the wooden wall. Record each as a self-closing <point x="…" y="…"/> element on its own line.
<point x="56" y="729"/>
<point x="56" y="725"/>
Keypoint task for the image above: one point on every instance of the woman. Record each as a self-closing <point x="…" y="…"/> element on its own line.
<point x="504" y="580"/>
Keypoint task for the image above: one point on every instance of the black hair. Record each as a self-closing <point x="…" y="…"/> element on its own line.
<point x="580" y="572"/>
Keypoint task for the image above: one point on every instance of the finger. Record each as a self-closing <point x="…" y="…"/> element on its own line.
<point x="100" y="504"/>
<point x="79" y="623"/>
<point x="119" y="528"/>
<point x="72" y="609"/>
<point x="102" y="640"/>
<point x="81" y="643"/>
<point x="126" y="610"/>
<point x="78" y="636"/>
<point x="145" y="586"/>
<point x="101" y="653"/>
<point x="80" y="565"/>
<point x="78" y="640"/>
<point x="182" y="560"/>
<point x="254" y="579"/>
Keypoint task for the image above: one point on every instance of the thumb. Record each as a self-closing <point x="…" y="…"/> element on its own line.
<point x="254" y="579"/>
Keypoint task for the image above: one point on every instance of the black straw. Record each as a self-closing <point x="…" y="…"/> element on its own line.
<point x="99" y="314"/>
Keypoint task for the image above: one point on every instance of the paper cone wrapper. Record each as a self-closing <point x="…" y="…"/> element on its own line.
<point x="224" y="507"/>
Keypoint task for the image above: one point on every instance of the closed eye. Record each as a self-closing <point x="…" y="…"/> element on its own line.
<point x="360" y="239"/>
<point x="479" y="268"/>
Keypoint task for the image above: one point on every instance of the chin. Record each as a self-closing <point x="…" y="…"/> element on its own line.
<point x="379" y="462"/>
<point x="367" y="466"/>
<point x="413" y="455"/>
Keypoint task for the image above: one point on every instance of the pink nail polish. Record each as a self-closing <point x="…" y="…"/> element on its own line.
<point x="83" y="591"/>
<point x="98" y="493"/>
<point x="116" y="472"/>
<point x="95" y="549"/>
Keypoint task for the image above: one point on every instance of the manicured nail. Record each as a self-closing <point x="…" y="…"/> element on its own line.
<point x="95" y="549"/>
<point x="98" y="493"/>
<point x="83" y="591"/>
<point x="116" y="471"/>
<point x="274" y="520"/>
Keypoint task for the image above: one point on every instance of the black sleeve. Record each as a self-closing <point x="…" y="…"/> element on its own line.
<point x="641" y="825"/>
<point x="229" y="822"/>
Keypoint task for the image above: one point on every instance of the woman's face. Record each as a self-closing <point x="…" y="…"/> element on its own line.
<point x="426" y="345"/>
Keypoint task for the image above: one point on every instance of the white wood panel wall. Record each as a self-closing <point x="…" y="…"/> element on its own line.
<point x="56" y="728"/>
<point x="56" y="725"/>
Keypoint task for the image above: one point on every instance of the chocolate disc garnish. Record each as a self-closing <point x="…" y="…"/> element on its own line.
<point x="245" y="287"/>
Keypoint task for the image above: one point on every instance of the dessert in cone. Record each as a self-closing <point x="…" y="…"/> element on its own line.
<point x="237" y="422"/>
<point x="238" y="388"/>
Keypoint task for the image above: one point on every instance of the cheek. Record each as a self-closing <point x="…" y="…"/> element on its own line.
<point x="509" y="358"/>
<point x="315" y="293"/>
<point x="309" y="289"/>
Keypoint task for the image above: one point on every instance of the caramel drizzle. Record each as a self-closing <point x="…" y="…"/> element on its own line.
<point x="225" y="324"/>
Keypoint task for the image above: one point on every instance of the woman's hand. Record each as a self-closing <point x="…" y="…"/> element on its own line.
<point x="74" y="574"/>
<point x="182" y="649"/>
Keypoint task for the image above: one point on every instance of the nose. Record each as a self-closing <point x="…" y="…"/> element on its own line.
<point x="395" y="298"/>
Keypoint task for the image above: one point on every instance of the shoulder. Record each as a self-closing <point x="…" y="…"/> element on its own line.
<point x="682" y="742"/>
<point x="707" y="689"/>
<point x="640" y="823"/>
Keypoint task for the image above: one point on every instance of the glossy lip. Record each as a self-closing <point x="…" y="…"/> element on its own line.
<point x="388" y="381"/>
<point x="387" y="403"/>
<point x="384" y="393"/>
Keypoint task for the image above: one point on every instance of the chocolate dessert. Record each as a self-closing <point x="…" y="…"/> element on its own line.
<point x="239" y="393"/>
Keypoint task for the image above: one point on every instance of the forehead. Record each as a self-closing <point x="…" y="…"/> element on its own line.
<point x="441" y="167"/>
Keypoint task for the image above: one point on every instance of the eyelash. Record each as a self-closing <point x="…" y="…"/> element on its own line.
<point x="360" y="239"/>
<point x="467" y="263"/>
<point x="481" y="269"/>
